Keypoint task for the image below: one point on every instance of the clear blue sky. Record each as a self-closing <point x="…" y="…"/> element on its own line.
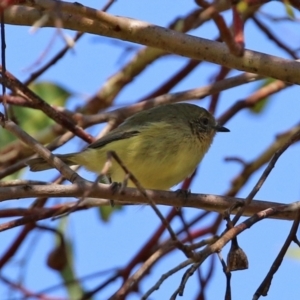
<point x="98" y="245"/>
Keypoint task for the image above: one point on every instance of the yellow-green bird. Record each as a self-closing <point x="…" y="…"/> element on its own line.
<point x="160" y="146"/>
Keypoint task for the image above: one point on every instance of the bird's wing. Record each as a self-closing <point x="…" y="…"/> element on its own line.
<point x="113" y="136"/>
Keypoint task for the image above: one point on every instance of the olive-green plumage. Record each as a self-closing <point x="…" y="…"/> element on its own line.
<point x="160" y="146"/>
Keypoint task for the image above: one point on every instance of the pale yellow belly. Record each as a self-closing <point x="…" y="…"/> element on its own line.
<point x="160" y="166"/>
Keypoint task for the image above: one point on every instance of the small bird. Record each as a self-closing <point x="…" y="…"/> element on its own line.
<point x="160" y="146"/>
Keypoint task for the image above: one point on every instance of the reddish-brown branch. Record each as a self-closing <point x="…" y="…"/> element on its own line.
<point x="223" y="72"/>
<point x="238" y="28"/>
<point x="14" y="247"/>
<point x="18" y="87"/>
<point x="26" y="292"/>
<point x="173" y="80"/>
<point x="236" y="48"/>
<point x="266" y="173"/>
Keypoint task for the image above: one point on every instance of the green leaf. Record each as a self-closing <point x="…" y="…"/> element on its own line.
<point x="15" y="175"/>
<point x="107" y="211"/>
<point x="294" y="253"/>
<point x="261" y="105"/>
<point x="32" y="120"/>
<point x="52" y="93"/>
<point x="289" y="9"/>
<point x="75" y="290"/>
<point x="5" y="137"/>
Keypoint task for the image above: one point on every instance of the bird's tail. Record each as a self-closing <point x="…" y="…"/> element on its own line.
<point x="39" y="164"/>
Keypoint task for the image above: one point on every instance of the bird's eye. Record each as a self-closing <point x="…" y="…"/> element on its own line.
<point x="205" y="121"/>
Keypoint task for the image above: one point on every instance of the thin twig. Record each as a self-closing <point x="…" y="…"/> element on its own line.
<point x="266" y="283"/>
<point x="19" y="88"/>
<point x="42" y="151"/>
<point x="153" y="205"/>
<point x="264" y="176"/>
<point x="161" y="38"/>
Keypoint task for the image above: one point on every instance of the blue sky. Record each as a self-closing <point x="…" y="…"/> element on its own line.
<point x="100" y="246"/>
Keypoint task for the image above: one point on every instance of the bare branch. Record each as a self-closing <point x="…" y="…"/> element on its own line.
<point x="101" y="23"/>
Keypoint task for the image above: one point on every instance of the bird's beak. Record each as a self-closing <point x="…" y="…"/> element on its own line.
<point x="220" y="128"/>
